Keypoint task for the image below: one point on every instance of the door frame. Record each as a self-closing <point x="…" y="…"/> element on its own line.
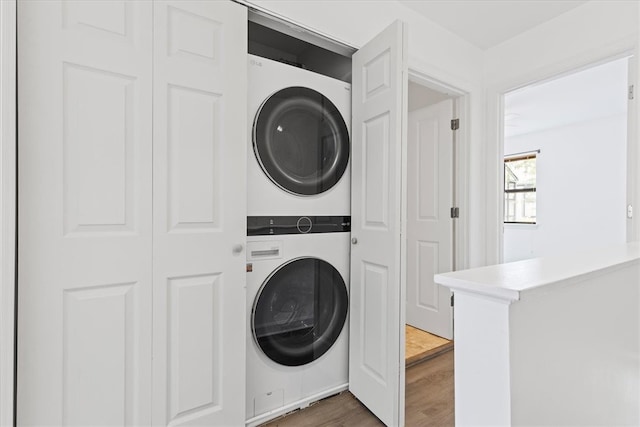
<point x="495" y="138"/>
<point x="8" y="206"/>
<point x="460" y="196"/>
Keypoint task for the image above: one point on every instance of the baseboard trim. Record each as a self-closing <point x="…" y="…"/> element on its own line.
<point x="300" y="404"/>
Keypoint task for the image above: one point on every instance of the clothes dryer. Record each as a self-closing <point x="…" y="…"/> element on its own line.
<point x="297" y="309"/>
<point x="299" y="144"/>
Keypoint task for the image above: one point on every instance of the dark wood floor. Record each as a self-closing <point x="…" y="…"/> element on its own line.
<point x="429" y="401"/>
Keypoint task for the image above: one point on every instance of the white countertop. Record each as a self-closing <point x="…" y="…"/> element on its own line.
<point x="508" y="281"/>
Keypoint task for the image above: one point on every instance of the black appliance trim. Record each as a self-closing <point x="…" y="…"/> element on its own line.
<point x="274" y="225"/>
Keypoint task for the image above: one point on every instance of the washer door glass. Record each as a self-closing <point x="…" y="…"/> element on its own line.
<point x="301" y="141"/>
<point x="299" y="311"/>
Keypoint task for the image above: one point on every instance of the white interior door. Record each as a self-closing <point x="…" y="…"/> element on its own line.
<point x="376" y="345"/>
<point x="84" y="259"/>
<point x="199" y="227"/>
<point x="429" y="222"/>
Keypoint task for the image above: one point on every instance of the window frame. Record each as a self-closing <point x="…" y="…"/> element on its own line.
<point x="513" y="191"/>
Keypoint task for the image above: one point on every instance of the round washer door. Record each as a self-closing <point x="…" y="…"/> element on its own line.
<point x="299" y="311"/>
<point x="301" y="141"/>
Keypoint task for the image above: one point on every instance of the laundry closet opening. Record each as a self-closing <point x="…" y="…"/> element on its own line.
<point x="298" y="218"/>
<point x="292" y="76"/>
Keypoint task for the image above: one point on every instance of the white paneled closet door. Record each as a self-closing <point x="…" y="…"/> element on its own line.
<point x="84" y="259"/>
<point x="199" y="212"/>
<point x="132" y="136"/>
<point x="376" y="344"/>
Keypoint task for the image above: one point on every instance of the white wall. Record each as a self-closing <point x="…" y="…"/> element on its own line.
<point x="575" y="352"/>
<point x="584" y="35"/>
<point x="433" y="51"/>
<point x="581" y="189"/>
<point x="578" y="36"/>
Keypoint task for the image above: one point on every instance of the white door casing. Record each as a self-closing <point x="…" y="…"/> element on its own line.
<point x="376" y="352"/>
<point x="633" y="155"/>
<point x="84" y="260"/>
<point x="429" y="222"/>
<point x="8" y="168"/>
<point x="199" y="183"/>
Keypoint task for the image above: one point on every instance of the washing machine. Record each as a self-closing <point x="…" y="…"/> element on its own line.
<point x="297" y="299"/>
<point x="299" y="146"/>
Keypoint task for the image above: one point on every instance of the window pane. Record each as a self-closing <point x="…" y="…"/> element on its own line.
<point x="520" y="207"/>
<point x="519" y="174"/>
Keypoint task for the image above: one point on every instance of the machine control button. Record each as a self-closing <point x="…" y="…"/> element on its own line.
<point x="304" y="224"/>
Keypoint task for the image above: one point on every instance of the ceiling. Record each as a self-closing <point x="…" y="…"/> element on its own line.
<point x="593" y="93"/>
<point x="487" y="23"/>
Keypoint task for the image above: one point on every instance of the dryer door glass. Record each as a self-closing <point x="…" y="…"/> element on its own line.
<point x="301" y="141"/>
<point x="299" y="311"/>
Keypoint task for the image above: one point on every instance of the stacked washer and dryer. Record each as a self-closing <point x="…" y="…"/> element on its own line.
<point x="298" y="230"/>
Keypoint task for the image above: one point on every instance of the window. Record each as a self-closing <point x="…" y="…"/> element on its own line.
<point x="520" y="188"/>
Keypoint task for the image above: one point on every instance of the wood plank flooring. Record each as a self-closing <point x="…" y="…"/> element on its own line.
<point x="421" y="345"/>
<point x="429" y="401"/>
<point x="429" y="392"/>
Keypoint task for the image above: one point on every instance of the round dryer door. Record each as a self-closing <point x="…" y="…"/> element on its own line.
<point x="301" y="141"/>
<point x="299" y="311"/>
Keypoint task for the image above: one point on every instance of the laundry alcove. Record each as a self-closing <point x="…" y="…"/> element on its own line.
<point x="375" y="337"/>
<point x="298" y="236"/>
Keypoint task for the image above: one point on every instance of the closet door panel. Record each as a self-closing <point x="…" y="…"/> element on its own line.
<point x="85" y="220"/>
<point x="376" y="330"/>
<point x="199" y="212"/>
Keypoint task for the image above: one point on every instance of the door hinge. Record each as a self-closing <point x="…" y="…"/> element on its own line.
<point x="455" y="212"/>
<point x="455" y="124"/>
<point x="451" y="300"/>
<point x="630" y="93"/>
